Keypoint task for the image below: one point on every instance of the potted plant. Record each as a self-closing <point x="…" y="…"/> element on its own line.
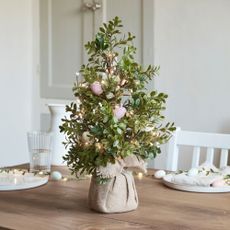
<point x="117" y="124"/>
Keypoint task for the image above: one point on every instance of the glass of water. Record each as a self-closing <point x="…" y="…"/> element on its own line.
<point x="39" y="146"/>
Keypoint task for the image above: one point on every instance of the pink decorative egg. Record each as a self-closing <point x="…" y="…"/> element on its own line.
<point x="96" y="88"/>
<point x="218" y="183"/>
<point x="119" y="112"/>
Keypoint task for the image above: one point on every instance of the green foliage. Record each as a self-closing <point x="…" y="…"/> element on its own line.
<point x="95" y="136"/>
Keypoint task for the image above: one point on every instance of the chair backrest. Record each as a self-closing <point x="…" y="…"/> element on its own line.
<point x="197" y="140"/>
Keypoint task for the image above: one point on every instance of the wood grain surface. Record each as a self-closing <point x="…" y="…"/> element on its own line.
<point x="63" y="205"/>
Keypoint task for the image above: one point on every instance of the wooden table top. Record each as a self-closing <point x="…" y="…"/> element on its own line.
<point x="63" y="205"/>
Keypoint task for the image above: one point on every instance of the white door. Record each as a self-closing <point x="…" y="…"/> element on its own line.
<point x="66" y="25"/>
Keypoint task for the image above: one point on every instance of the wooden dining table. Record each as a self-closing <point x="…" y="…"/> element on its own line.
<point x="63" y="205"/>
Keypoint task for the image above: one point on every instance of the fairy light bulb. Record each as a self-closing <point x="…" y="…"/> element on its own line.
<point x="134" y="142"/>
<point x="99" y="147"/>
<point x="140" y="176"/>
<point x="123" y="82"/>
<point x="88" y="176"/>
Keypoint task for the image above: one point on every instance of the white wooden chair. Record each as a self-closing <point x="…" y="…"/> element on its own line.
<point x="197" y="140"/>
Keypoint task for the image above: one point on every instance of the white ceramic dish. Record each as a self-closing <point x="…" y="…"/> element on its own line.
<point x="10" y="181"/>
<point x="191" y="188"/>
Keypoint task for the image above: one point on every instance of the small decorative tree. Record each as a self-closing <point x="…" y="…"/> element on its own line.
<point x="115" y="117"/>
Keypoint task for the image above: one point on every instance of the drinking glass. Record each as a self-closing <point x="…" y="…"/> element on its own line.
<point x="39" y="146"/>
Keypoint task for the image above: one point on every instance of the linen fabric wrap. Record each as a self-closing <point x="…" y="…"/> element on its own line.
<point x="117" y="195"/>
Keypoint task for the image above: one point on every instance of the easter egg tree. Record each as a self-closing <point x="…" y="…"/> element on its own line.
<point x="114" y="115"/>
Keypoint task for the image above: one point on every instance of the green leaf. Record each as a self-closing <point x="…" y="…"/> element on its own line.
<point x="115" y="143"/>
<point x="119" y="131"/>
<point x="137" y="102"/>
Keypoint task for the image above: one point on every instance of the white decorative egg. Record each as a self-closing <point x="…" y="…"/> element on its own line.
<point x="193" y="172"/>
<point x="159" y="174"/>
<point x="55" y="175"/>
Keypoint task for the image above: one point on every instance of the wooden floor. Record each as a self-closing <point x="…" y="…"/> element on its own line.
<point x="63" y="205"/>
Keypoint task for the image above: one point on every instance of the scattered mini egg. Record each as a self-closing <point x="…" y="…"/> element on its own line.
<point x="55" y="175"/>
<point x="218" y="183"/>
<point x="159" y="174"/>
<point x="193" y="172"/>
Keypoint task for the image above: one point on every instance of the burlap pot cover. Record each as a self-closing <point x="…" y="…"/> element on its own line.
<point x="117" y="195"/>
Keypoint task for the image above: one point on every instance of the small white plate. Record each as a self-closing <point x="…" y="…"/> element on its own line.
<point x="11" y="181"/>
<point x="192" y="188"/>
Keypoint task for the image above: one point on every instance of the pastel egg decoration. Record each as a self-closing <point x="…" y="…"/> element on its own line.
<point x="193" y="172"/>
<point x="56" y="175"/>
<point x="159" y="174"/>
<point x="96" y="88"/>
<point x="218" y="183"/>
<point x="119" y="112"/>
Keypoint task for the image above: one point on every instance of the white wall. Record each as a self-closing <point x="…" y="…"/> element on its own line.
<point x="15" y="78"/>
<point x="191" y="42"/>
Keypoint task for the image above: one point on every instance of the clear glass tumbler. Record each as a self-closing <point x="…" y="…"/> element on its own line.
<point x="40" y="148"/>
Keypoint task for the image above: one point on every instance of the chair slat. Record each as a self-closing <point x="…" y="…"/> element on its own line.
<point x="210" y="155"/>
<point x="223" y="157"/>
<point x="175" y="159"/>
<point x="172" y="161"/>
<point x="212" y="140"/>
<point x="196" y="156"/>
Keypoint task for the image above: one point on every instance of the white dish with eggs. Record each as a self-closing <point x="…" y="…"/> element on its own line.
<point x="17" y="180"/>
<point x="202" y="179"/>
